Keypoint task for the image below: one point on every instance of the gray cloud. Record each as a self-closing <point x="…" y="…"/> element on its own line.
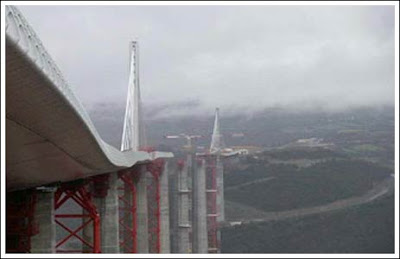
<point x="235" y="57"/>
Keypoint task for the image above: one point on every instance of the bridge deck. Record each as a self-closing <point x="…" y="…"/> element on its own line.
<point x="49" y="135"/>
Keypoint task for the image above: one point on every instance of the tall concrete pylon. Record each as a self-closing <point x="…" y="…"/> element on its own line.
<point x="133" y="132"/>
<point x="217" y="144"/>
<point x="133" y="138"/>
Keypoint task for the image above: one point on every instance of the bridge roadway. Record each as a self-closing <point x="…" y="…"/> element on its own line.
<point x="49" y="135"/>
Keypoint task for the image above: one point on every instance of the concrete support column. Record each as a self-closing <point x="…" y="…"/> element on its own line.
<point x="200" y="237"/>
<point x="220" y="190"/>
<point x="183" y="214"/>
<point x="164" y="235"/>
<point x="142" y="214"/>
<point x="173" y="207"/>
<point x="45" y="240"/>
<point x="108" y="209"/>
<point x="190" y="181"/>
<point x="195" y="207"/>
<point x="127" y="218"/>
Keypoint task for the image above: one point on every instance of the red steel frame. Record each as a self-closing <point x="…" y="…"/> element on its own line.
<point x="128" y="216"/>
<point x="20" y="223"/>
<point x="212" y="213"/>
<point x="79" y="193"/>
<point x="155" y="168"/>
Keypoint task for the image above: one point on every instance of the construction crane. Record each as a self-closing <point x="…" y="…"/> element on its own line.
<point x="188" y="147"/>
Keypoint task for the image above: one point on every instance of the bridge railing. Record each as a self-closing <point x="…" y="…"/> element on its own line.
<point x="19" y="30"/>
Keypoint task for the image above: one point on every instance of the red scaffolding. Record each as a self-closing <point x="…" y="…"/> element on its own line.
<point x="212" y="213"/>
<point x="79" y="193"/>
<point x="127" y="210"/>
<point x="154" y="208"/>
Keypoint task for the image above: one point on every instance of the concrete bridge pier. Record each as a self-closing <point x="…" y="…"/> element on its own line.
<point x="104" y="189"/>
<point x="173" y="206"/>
<point x="45" y="240"/>
<point x="200" y="239"/>
<point x="220" y="189"/>
<point x="184" y="226"/>
<point x="164" y="203"/>
<point x="106" y="202"/>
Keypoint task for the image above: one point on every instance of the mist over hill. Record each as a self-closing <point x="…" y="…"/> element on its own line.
<point x="264" y="128"/>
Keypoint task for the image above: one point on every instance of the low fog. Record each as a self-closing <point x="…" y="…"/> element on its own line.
<point x="235" y="57"/>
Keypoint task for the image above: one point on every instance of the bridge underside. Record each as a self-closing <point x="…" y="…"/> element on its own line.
<point x="46" y="139"/>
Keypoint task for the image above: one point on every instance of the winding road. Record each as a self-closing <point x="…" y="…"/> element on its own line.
<point x="249" y="183"/>
<point x="384" y="187"/>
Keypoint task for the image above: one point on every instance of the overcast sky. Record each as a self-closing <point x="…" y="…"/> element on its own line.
<point x="228" y="56"/>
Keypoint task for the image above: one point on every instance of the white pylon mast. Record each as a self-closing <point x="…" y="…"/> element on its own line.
<point x="132" y="134"/>
<point x="217" y="143"/>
